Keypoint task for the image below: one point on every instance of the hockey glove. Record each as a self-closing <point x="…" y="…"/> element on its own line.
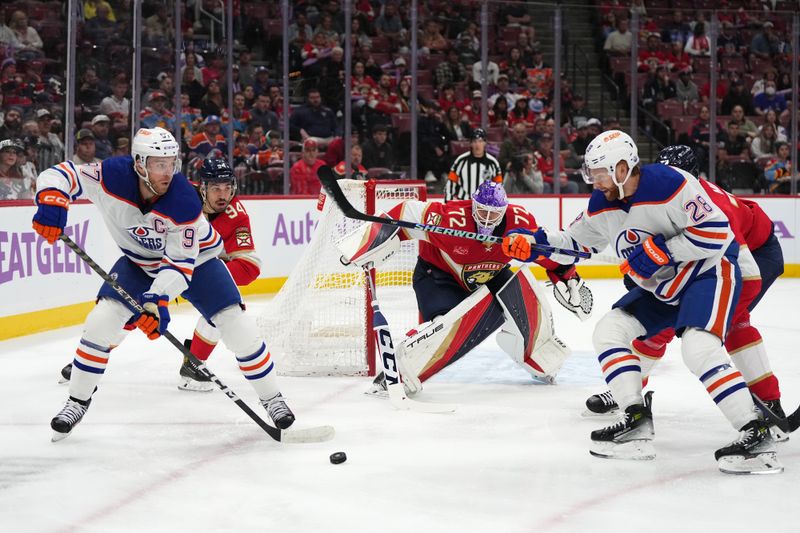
<point x="570" y="291"/>
<point x="517" y="244"/>
<point x="647" y="258"/>
<point x="155" y="319"/>
<point x="51" y="214"/>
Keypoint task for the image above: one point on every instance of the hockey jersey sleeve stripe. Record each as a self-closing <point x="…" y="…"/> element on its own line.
<point x="189" y="261"/>
<point x="134" y="255"/>
<point x="146" y="265"/>
<point x="707" y="246"/>
<point x="70" y="176"/>
<point x="707" y="234"/>
<point x="713" y="224"/>
<point x="186" y="271"/>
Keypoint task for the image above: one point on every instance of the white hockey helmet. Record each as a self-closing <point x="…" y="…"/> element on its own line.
<point x="155" y="142"/>
<point x="603" y="154"/>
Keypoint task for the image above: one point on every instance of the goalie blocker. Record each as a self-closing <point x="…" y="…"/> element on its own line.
<point x="518" y="308"/>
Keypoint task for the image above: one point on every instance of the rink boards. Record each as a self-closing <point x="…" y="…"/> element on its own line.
<point x="43" y="287"/>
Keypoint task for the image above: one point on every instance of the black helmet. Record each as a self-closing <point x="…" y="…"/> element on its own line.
<point x="679" y="156"/>
<point x="216" y="170"/>
<point x="478" y="133"/>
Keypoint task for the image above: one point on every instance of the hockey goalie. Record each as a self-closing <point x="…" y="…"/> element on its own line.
<point x="465" y="288"/>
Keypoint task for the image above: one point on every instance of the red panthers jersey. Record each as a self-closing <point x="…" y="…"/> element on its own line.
<point x="233" y="225"/>
<point x="750" y="225"/>
<point x="472" y="263"/>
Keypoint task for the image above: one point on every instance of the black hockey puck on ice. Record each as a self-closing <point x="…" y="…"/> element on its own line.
<point x="338" y="458"/>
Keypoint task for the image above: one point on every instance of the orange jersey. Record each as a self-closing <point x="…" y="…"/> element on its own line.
<point x="472" y="263"/>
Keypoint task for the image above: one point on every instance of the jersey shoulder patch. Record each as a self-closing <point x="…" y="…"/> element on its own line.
<point x="120" y="180"/>
<point x="181" y="203"/>
<point x="658" y="184"/>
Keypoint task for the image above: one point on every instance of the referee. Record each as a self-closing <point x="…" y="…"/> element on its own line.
<point x="472" y="168"/>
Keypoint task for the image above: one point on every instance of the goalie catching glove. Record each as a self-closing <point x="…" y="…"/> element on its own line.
<point x="570" y="291"/>
<point x="369" y="243"/>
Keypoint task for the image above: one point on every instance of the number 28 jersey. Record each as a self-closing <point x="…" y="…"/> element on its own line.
<point x="471" y="263"/>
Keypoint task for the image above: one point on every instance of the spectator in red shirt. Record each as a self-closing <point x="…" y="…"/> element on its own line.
<point x="358" y="172"/>
<point x="652" y="55"/>
<point x="521" y="114"/>
<point x="335" y="151"/>
<point x="677" y="60"/>
<point x="303" y="174"/>
<point x="546" y="165"/>
<point x="214" y="71"/>
<point x="384" y="99"/>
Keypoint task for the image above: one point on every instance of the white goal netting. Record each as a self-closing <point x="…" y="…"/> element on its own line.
<point x="317" y="323"/>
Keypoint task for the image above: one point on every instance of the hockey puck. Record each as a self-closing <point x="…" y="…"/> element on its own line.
<point x="338" y="458"/>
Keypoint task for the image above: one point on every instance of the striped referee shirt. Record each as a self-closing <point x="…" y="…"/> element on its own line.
<point x="468" y="172"/>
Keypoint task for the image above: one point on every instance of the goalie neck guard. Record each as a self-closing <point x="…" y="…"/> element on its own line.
<point x="489" y="204"/>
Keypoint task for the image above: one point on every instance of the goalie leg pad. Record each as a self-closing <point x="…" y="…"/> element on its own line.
<point x="527" y="334"/>
<point x="447" y="338"/>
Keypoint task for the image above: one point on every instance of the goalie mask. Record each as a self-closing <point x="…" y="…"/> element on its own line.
<point x="217" y="184"/>
<point x="489" y="204"/>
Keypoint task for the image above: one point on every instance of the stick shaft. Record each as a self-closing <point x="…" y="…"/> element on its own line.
<point x="273" y="432"/>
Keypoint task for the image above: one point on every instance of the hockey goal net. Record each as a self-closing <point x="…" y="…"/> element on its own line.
<point x="320" y="322"/>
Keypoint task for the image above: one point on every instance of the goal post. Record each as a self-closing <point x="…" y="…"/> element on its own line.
<point x="320" y="322"/>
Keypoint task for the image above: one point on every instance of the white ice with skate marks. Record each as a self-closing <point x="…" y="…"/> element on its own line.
<point x="513" y="458"/>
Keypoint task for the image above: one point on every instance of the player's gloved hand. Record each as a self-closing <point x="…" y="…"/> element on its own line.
<point x="517" y="244"/>
<point x="570" y="291"/>
<point x="155" y="319"/>
<point x="647" y="258"/>
<point x="51" y="214"/>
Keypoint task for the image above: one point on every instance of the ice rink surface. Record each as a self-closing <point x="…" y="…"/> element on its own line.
<point x="513" y="457"/>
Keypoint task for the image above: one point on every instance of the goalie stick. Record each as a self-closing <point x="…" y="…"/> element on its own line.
<point x="314" y="434"/>
<point x="387" y="356"/>
<point x="328" y="179"/>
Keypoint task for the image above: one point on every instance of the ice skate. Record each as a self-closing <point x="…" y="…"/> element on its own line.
<point x="69" y="416"/>
<point x="278" y="411"/>
<point x="378" y="387"/>
<point x="630" y="438"/>
<point x="752" y="453"/>
<point x="192" y="380"/>
<point x="602" y="404"/>
<point x="66" y="374"/>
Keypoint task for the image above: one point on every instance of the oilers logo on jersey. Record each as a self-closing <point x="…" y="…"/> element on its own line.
<point x="150" y="238"/>
<point x="628" y="239"/>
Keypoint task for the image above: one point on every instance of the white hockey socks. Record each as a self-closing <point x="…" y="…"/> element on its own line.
<point x="621" y="368"/>
<point x="240" y="335"/>
<point x="705" y="356"/>
<point x="101" y="332"/>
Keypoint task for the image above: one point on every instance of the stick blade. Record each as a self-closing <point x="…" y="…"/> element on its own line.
<point x="397" y="396"/>
<point x="308" y="435"/>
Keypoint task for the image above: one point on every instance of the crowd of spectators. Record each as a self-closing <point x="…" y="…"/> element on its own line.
<point x="674" y="64"/>
<point x="521" y="130"/>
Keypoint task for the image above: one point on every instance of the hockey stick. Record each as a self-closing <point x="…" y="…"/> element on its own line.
<point x="784" y="424"/>
<point x="383" y="339"/>
<point x="325" y="175"/>
<point x="315" y="434"/>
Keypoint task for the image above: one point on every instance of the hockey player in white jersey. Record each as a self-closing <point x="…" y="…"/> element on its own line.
<point x="679" y="249"/>
<point x="169" y="249"/>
